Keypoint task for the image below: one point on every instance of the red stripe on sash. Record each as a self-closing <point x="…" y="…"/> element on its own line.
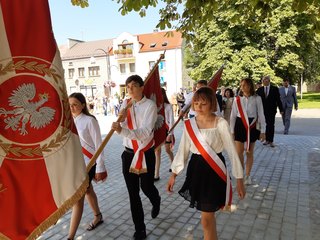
<point x="87" y="153"/>
<point x="204" y="153"/>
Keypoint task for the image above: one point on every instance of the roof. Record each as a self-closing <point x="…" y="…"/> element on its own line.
<point x="155" y="41"/>
<point x="87" y="49"/>
<point x="160" y="41"/>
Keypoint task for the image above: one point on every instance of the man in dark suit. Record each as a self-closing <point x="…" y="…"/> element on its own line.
<point x="271" y="100"/>
<point x="288" y="98"/>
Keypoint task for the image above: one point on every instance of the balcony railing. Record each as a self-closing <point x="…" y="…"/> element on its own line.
<point x="123" y="53"/>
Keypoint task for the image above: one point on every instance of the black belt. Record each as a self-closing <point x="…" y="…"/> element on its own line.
<point x="128" y="150"/>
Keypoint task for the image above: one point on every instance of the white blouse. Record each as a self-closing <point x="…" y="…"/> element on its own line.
<point x="253" y="107"/>
<point x="90" y="138"/>
<point x="218" y="138"/>
<point x="145" y="114"/>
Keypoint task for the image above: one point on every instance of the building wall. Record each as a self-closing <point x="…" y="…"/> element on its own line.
<point x="171" y="72"/>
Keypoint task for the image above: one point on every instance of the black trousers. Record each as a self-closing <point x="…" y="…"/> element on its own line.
<point x="134" y="182"/>
<point x="270" y="119"/>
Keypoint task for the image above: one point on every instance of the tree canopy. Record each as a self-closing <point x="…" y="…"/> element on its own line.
<point x="254" y="37"/>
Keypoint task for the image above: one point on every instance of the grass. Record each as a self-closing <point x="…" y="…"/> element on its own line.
<point x="309" y="100"/>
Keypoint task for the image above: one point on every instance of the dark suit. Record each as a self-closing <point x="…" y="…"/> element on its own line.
<point x="270" y="104"/>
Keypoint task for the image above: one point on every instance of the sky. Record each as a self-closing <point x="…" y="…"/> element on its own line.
<point x="101" y="20"/>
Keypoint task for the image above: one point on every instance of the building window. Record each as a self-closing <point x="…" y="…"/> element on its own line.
<point x="132" y="67"/>
<point x="94" y="71"/>
<point x="81" y="72"/>
<point x="162" y="65"/>
<point x="70" y="64"/>
<point x="71" y="72"/>
<point x="151" y="64"/>
<point x="122" y="68"/>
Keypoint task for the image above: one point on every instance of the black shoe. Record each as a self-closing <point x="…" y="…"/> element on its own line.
<point x="156" y="209"/>
<point x="140" y="235"/>
<point x="156" y="179"/>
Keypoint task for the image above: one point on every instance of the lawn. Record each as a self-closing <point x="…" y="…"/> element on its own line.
<point x="309" y="100"/>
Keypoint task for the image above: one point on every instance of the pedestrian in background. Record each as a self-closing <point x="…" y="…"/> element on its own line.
<point x="227" y="103"/>
<point x="90" y="139"/>
<point x="271" y="100"/>
<point x="288" y="98"/>
<point x="207" y="183"/>
<point x="246" y="115"/>
<point x="137" y="130"/>
<point x="169" y="121"/>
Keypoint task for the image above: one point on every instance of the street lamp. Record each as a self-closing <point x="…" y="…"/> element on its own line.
<point x="92" y="59"/>
<point x="108" y="83"/>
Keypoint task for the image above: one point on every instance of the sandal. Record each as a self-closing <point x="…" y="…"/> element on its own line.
<point x="93" y="226"/>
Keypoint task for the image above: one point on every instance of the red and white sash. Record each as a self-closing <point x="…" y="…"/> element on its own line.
<point x="87" y="153"/>
<point x="210" y="157"/>
<point x="138" y="164"/>
<point x="245" y="121"/>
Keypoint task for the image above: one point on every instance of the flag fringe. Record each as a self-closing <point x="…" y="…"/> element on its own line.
<point x="60" y="211"/>
<point x="138" y="171"/>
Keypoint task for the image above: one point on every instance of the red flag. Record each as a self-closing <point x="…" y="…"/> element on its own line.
<point x="214" y="82"/>
<point x="152" y="90"/>
<point x="42" y="171"/>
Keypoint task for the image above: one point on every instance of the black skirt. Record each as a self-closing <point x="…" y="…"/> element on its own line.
<point x="240" y="133"/>
<point x="203" y="188"/>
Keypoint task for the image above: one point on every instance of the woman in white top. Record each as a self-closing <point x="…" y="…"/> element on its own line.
<point x="207" y="185"/>
<point x="169" y="121"/>
<point x="90" y="138"/>
<point x="246" y="120"/>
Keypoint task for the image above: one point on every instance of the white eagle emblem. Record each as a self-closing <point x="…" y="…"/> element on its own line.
<point x="160" y="118"/>
<point x="26" y="111"/>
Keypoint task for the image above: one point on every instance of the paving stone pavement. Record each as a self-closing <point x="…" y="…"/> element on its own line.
<point x="282" y="203"/>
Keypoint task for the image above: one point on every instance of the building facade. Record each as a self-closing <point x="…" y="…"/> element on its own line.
<point x="101" y="67"/>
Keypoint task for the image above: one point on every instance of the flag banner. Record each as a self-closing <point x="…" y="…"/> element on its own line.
<point x="214" y="81"/>
<point x="42" y="170"/>
<point x="152" y="90"/>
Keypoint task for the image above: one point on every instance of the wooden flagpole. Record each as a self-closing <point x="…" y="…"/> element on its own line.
<point x="212" y="79"/>
<point x="121" y="114"/>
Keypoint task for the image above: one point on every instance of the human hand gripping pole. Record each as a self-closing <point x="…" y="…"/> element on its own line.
<point x="107" y="138"/>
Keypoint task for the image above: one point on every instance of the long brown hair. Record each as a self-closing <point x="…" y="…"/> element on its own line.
<point x="164" y="95"/>
<point x="250" y="83"/>
<point x="82" y="99"/>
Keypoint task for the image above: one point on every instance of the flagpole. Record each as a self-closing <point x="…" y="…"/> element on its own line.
<point x="154" y="67"/>
<point x="121" y="114"/>
<point x="107" y="138"/>
<point x="214" y="78"/>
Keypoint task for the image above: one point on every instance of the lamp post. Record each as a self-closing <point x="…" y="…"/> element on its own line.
<point x="107" y="84"/>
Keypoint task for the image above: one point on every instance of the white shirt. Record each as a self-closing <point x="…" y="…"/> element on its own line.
<point x="218" y="138"/>
<point x="168" y="112"/>
<point x="286" y="90"/>
<point x="254" y="109"/>
<point x="90" y="138"/>
<point x="145" y="115"/>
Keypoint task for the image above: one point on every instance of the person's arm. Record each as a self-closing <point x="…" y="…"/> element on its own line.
<point x="95" y="133"/>
<point x="233" y="115"/>
<point x="229" y="146"/>
<point x="278" y="101"/>
<point x="180" y="160"/>
<point x="260" y="113"/>
<point x="294" y="95"/>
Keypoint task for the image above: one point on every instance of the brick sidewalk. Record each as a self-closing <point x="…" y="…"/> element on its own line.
<point x="283" y="202"/>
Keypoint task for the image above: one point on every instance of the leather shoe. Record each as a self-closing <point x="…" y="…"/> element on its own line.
<point x="266" y="143"/>
<point x="156" y="209"/>
<point x="140" y="235"/>
<point x="272" y="145"/>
